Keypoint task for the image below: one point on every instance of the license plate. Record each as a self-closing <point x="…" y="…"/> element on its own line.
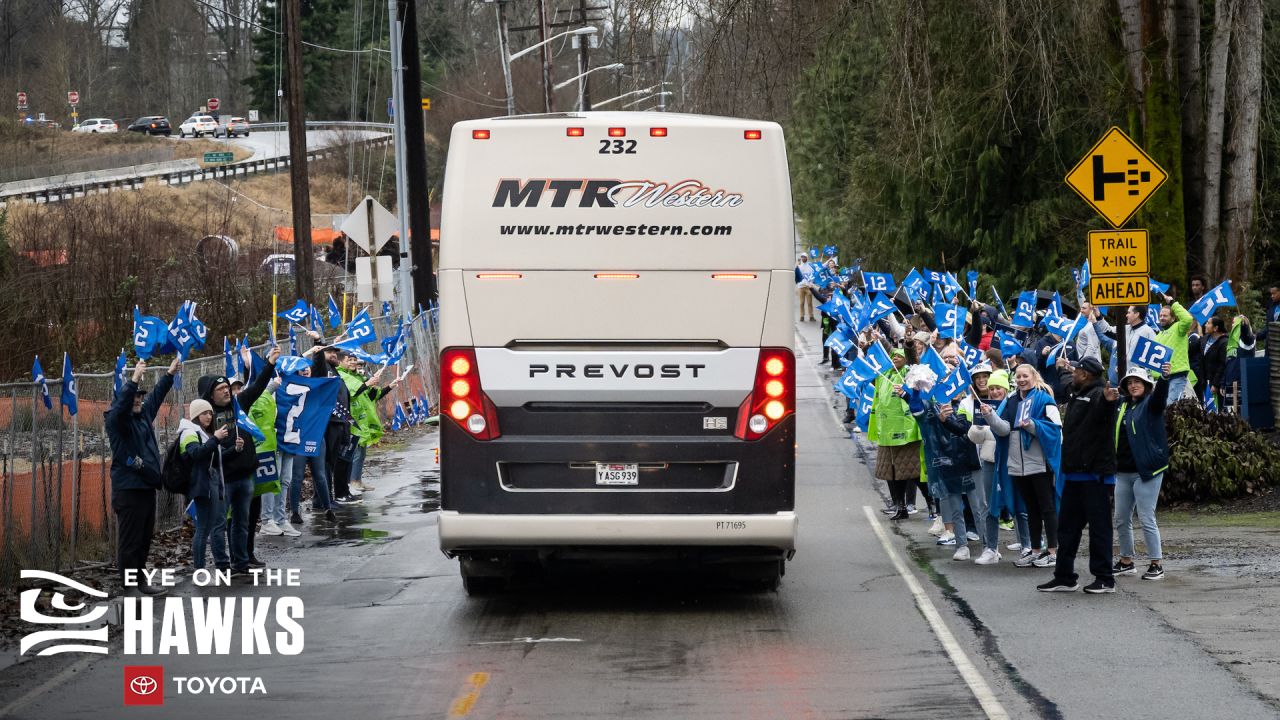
<point x="617" y="474"/>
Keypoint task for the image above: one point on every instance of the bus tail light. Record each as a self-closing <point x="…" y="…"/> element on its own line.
<point x="772" y="398"/>
<point x="462" y="398"/>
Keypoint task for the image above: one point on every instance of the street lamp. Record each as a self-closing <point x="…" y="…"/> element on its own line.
<point x="649" y="89"/>
<point x="649" y="97"/>
<point x="581" y="78"/>
<point x="580" y="31"/>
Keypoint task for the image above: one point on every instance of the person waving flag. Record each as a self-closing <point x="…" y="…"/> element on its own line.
<point x="1208" y="304"/>
<point x="298" y="313"/>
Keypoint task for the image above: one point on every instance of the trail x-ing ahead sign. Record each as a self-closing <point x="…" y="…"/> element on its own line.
<point x="1116" y="177"/>
<point x="1119" y="267"/>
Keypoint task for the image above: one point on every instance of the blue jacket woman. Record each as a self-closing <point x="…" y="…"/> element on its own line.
<point x="1142" y="456"/>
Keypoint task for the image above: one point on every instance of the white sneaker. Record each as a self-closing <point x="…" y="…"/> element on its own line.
<point x="1045" y="559"/>
<point x="962" y="553"/>
<point x="270" y="528"/>
<point x="972" y="536"/>
<point x="988" y="557"/>
<point x="354" y="491"/>
<point x="948" y="539"/>
<point x="937" y="528"/>
<point x="1013" y="546"/>
<point x="288" y="530"/>
<point x="356" y="485"/>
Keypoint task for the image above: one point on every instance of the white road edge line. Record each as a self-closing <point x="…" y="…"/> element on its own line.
<point x="46" y="686"/>
<point x="968" y="672"/>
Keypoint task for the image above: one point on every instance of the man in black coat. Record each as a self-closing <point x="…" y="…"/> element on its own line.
<point x="1087" y="479"/>
<point x="1214" y="349"/>
<point x="135" y="467"/>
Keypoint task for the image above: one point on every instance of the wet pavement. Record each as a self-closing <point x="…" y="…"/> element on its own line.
<point x="391" y="634"/>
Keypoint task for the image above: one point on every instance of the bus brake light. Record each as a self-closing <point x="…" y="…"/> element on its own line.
<point x="772" y="398"/>
<point x="462" y="394"/>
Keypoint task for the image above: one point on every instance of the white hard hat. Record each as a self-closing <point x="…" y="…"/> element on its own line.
<point x="1137" y="372"/>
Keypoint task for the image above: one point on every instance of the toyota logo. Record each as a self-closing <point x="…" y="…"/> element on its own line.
<point x="143" y="685"/>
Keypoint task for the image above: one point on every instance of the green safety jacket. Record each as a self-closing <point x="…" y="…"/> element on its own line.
<point x="1175" y="336"/>
<point x="891" y="421"/>
<point x="263" y="414"/>
<point x="366" y="424"/>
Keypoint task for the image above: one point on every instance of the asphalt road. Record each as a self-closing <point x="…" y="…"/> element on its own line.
<point x="275" y="143"/>
<point x="860" y="628"/>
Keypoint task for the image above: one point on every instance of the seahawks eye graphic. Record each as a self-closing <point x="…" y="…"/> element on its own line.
<point x="72" y="637"/>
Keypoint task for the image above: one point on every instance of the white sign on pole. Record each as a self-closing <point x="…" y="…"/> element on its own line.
<point x="375" y="282"/>
<point x="357" y="225"/>
<point x="253" y="116"/>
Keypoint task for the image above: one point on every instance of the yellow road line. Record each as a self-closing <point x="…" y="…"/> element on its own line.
<point x="466" y="700"/>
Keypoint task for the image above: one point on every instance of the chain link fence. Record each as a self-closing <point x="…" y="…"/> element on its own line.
<point x="55" y="475"/>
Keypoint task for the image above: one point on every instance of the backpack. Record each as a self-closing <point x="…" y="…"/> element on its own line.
<point x="175" y="473"/>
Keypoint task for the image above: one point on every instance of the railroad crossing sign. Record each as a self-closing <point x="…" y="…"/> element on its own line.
<point x="73" y="98"/>
<point x="22" y="101"/>
<point x="212" y="103"/>
<point x="217" y="158"/>
<point x="1119" y="267"/>
<point x="1116" y="177"/>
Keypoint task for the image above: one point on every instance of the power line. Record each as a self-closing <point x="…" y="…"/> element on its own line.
<point x="465" y="99"/>
<point x="224" y="11"/>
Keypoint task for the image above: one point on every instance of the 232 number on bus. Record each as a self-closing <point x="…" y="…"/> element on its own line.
<point x="617" y="147"/>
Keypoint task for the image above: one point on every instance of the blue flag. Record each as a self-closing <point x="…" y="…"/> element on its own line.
<point x="1025" y="316"/>
<point x="999" y="302"/>
<point x="1158" y="287"/>
<point x="398" y="420"/>
<point x="878" y="282"/>
<point x="839" y="342"/>
<point x="972" y="355"/>
<point x="973" y="285"/>
<point x="1055" y="306"/>
<point x="361" y="329"/>
<point x="1210" y="402"/>
<point x="290" y="364"/>
<point x="298" y="313"/>
<point x="935" y="362"/>
<point x="150" y="334"/>
<point x="955" y="383"/>
<point x="395" y="346"/>
<point x="863" y="405"/>
<point x="881" y="307"/>
<point x="186" y="331"/>
<point x="426" y="407"/>
<point x="229" y="364"/>
<point x="386" y="308"/>
<point x="244" y="423"/>
<point x="70" y="392"/>
<point x="855" y="376"/>
<point x="316" y="323"/>
<point x="832" y="306"/>
<point x="1153" y="316"/>
<point x="1208" y="304"/>
<point x="877" y="358"/>
<point x="950" y="320"/>
<point x="917" y="287"/>
<point x="118" y="375"/>
<point x="293" y="342"/>
<point x="1008" y="346"/>
<point x="1149" y="354"/>
<point x="303" y="407"/>
<point x="934" y="276"/>
<point x="335" y="315"/>
<point x="952" y="286"/>
<point x="37" y="374"/>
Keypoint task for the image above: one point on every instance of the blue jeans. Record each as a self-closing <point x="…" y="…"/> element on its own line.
<point x="239" y="495"/>
<point x="211" y="518"/>
<point x="953" y="511"/>
<point x="1132" y="490"/>
<point x="1177" y="388"/>
<point x="319" y="478"/>
<point x="1023" y="525"/>
<point x="273" y="509"/>
<point x="357" y="463"/>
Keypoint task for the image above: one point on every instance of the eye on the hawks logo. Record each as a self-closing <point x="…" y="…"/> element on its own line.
<point x="143" y="684"/>
<point x="79" y="638"/>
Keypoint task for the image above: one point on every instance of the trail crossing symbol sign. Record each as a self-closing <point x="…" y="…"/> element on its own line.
<point x="1116" y="177"/>
<point x="1119" y="267"/>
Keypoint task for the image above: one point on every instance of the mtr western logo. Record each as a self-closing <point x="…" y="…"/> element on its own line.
<point x="585" y="193"/>
<point x="143" y="684"/>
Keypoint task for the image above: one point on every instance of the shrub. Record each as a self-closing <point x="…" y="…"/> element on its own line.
<point x="1215" y="456"/>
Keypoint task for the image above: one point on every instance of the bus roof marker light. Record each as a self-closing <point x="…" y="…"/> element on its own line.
<point x="575" y="132"/>
<point x="657" y="132"/>
<point x="479" y="134"/>
<point x="751" y="134"/>
<point x="499" y="276"/>
<point x="617" y="132"/>
<point x="617" y="276"/>
<point x="733" y="276"/>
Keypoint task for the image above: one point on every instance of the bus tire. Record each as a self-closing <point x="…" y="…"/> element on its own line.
<point x="481" y="578"/>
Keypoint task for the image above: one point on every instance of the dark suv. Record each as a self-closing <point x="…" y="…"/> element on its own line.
<point x="151" y="125"/>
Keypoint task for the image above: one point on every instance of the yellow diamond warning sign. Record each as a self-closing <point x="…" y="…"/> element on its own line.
<point x="1116" y="177"/>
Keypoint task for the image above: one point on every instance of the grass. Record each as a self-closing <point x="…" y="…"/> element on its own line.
<point x="1261" y="520"/>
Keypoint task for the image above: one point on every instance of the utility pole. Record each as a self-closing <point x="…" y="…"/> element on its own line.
<point x="300" y="191"/>
<point x="584" y="62"/>
<point x="543" y="32"/>
<point x="403" y="284"/>
<point x="415" y="135"/>
<point x="504" y="44"/>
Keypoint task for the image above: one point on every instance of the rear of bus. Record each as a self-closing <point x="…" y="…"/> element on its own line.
<point x="618" y="373"/>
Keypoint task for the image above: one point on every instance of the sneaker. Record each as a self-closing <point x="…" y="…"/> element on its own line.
<point x="270" y="528"/>
<point x="354" y="491"/>
<point x="256" y="563"/>
<point x="328" y="515"/>
<point x="948" y="539"/>
<point x="988" y="557"/>
<point x="1097" y="587"/>
<point x="1016" y="547"/>
<point x="1121" y="568"/>
<point x="1045" y="559"/>
<point x="962" y="553"/>
<point x="1154" y="572"/>
<point x="296" y="519"/>
<point x="972" y="536"/>
<point x="890" y="510"/>
<point x="1058" y="585"/>
<point x="1006" y="525"/>
<point x="1027" y="559"/>
<point x="357" y="485"/>
<point x="911" y="509"/>
<point x="347" y="500"/>
<point x="289" y="530"/>
<point x="937" y="528"/>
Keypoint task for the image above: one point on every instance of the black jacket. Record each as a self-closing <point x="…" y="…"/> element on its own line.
<point x="135" y="458"/>
<point x="1215" y="360"/>
<point x="241" y="464"/>
<point x="1088" y="431"/>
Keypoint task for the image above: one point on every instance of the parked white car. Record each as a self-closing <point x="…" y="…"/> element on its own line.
<point x="96" y="125"/>
<point x="197" y="126"/>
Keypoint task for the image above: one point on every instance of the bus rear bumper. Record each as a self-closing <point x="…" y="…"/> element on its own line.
<point x="466" y="531"/>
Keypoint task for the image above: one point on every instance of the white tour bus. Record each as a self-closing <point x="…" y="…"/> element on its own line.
<point x="617" y="363"/>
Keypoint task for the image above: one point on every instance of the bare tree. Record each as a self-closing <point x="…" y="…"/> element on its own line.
<point x="1245" y="97"/>
<point x="1215" y="122"/>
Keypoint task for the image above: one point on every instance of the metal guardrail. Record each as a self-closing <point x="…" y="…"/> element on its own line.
<point x="181" y="176"/>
